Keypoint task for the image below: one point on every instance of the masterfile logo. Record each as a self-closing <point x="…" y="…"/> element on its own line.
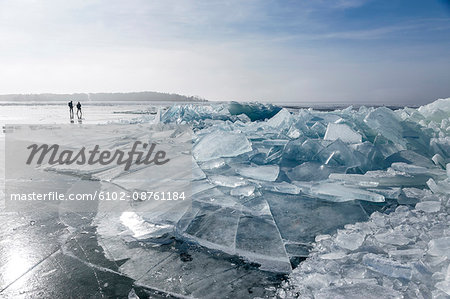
<point x="95" y="156"/>
<point x="91" y="167"/>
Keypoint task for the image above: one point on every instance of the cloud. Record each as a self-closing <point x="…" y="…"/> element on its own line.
<point x="222" y="50"/>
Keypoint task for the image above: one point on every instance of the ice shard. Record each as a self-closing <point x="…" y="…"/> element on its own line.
<point x="221" y="144"/>
<point x="342" y="132"/>
<point x="264" y="173"/>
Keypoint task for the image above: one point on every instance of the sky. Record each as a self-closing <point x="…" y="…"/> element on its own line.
<point x="347" y="51"/>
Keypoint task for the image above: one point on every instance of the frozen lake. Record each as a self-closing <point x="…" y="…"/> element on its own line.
<point x="288" y="202"/>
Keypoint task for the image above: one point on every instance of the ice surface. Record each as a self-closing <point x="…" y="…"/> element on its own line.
<point x="227" y="181"/>
<point x="438" y="160"/>
<point x="337" y="192"/>
<point x="213" y="164"/>
<point x="381" y="179"/>
<point x="264" y="173"/>
<point x="417" y="240"/>
<point x="193" y="112"/>
<point x="442" y="187"/>
<point x="343" y="132"/>
<point x="221" y="144"/>
<point x="214" y="227"/>
<point x="309" y="171"/>
<point x="429" y="206"/>
<point x="384" y="121"/>
<point x="358" y="290"/>
<point x="282" y="120"/>
<point x="408" y="157"/>
<point x="440" y="247"/>
<point x="436" y="111"/>
<point x="258" y="240"/>
<point x="418" y="246"/>
<point x="350" y="240"/>
<point x="300" y="218"/>
<point x="291" y="184"/>
<point x="387" y="267"/>
<point x="254" y="111"/>
<point x="243" y="191"/>
<point x="281" y="187"/>
<point x="393" y="237"/>
<point x="302" y="174"/>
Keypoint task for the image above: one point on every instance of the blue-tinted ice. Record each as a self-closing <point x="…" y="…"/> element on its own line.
<point x="273" y="185"/>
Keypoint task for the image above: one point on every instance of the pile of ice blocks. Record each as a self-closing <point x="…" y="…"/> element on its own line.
<point x="265" y="190"/>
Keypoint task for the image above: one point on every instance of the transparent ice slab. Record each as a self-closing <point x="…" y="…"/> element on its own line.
<point x="342" y="132"/>
<point x="221" y="144"/>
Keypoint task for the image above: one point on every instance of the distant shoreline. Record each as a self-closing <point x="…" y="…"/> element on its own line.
<point x="152" y="97"/>
<point x="144" y="96"/>
<point x="315" y="106"/>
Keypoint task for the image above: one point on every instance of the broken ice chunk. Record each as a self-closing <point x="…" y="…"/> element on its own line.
<point x="263" y="173"/>
<point x="214" y="227"/>
<point x="197" y="172"/>
<point x="436" y="110"/>
<point x="384" y="121"/>
<point x="192" y="112"/>
<point x="258" y="240"/>
<point x="227" y="181"/>
<point x="213" y="164"/>
<point x="357" y="291"/>
<point x="418" y="170"/>
<point x="444" y="286"/>
<point x="416" y="193"/>
<point x="281" y="187"/>
<point x="409" y="157"/>
<point x="439" y="187"/>
<point x="438" y="160"/>
<point x="294" y="133"/>
<point x="381" y="179"/>
<point x="275" y="142"/>
<point x="300" y="218"/>
<point x="317" y="130"/>
<point x="221" y="144"/>
<point x="393" y="237"/>
<point x="406" y="253"/>
<point x="139" y="227"/>
<point x="335" y="255"/>
<point x="302" y="150"/>
<point x="408" y="168"/>
<point x="409" y="196"/>
<point x="343" y="132"/>
<point x="339" y="193"/>
<point x="243" y="118"/>
<point x="243" y="191"/>
<point x="350" y="240"/>
<point x="200" y="186"/>
<point x="391" y="193"/>
<point x="282" y="120"/>
<point x="429" y="206"/>
<point x="309" y="171"/>
<point x="132" y="295"/>
<point x="386" y="266"/>
<point x="255" y="111"/>
<point x="338" y="153"/>
<point x="439" y="247"/>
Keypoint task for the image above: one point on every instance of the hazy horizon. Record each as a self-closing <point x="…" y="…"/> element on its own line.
<point x="182" y="97"/>
<point x="344" y="51"/>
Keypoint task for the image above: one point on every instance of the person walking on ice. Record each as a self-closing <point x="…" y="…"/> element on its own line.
<point x="70" y="109"/>
<point x="79" y="110"/>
